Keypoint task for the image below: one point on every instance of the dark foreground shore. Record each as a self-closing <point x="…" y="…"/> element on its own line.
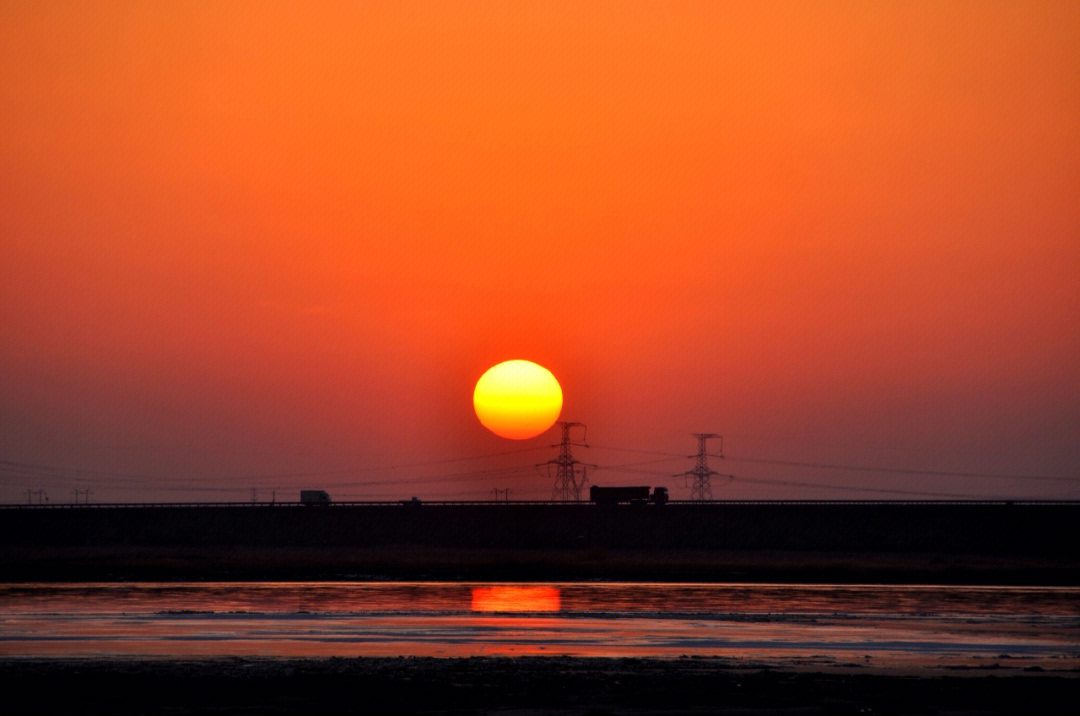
<point x="522" y="685"/>
<point x="423" y="563"/>
<point x="871" y="542"/>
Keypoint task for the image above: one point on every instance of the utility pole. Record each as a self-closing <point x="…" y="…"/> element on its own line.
<point x="42" y="498"/>
<point x="567" y="485"/>
<point x="698" y="479"/>
<point x="505" y="492"/>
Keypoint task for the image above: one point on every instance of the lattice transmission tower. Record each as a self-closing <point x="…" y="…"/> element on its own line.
<point x="570" y="475"/>
<point x="699" y="479"/>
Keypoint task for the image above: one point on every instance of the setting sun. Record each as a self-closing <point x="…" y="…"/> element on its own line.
<point x="517" y="399"/>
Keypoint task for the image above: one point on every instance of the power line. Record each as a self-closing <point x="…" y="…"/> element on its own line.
<point x="478" y="474"/>
<point x="858" y="468"/>
<point x="637" y="450"/>
<point x="634" y="467"/>
<point x="74" y="474"/>
<point x="402" y="466"/>
<point x="852" y="488"/>
<point x="640" y="462"/>
<point x="103" y="479"/>
<point x="898" y="470"/>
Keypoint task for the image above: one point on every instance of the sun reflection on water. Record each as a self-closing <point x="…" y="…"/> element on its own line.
<point x="516" y="599"/>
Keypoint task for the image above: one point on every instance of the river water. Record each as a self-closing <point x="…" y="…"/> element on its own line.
<point x="852" y="625"/>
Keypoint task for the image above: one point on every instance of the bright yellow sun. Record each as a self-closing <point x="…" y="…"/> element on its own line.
<point x="517" y="399"/>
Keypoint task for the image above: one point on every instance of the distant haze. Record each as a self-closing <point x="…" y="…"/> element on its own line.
<point x="272" y="248"/>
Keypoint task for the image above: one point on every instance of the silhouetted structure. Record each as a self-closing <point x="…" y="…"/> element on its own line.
<point x="314" y="497"/>
<point x="698" y="479"/>
<point x="567" y="485"/>
<point x="634" y="495"/>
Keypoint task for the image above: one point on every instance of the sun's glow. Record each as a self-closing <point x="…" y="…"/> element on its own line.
<point x="517" y="399"/>
<point x="515" y="599"/>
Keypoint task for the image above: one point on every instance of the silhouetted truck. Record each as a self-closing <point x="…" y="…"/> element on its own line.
<point x="314" y="497"/>
<point x="635" y="495"/>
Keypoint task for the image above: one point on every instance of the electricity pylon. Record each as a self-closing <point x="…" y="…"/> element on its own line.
<point x="698" y="479"/>
<point x="567" y="485"/>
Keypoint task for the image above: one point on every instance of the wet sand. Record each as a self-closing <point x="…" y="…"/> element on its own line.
<point x="522" y="685"/>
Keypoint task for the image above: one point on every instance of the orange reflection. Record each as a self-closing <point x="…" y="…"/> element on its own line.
<point x="515" y="599"/>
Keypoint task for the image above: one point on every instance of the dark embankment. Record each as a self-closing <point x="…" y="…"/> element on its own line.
<point x="520" y="685"/>
<point x="999" y="543"/>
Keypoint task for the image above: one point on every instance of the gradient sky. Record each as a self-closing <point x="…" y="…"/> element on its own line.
<point x="257" y="245"/>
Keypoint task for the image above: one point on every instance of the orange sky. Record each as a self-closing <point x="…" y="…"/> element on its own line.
<point x="258" y="240"/>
